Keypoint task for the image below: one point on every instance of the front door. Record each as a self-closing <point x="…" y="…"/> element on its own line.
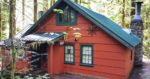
<point x="39" y="56"/>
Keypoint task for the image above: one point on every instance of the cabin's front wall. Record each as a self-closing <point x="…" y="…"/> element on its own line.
<point x="110" y="56"/>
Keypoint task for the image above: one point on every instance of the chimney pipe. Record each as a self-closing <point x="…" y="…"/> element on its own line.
<point x="137" y="16"/>
<point x="138" y="7"/>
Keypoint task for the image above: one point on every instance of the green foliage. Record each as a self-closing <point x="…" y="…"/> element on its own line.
<point x="5" y="73"/>
<point x="58" y="11"/>
<point x="5" y="17"/>
<point x="30" y="76"/>
<point x="146" y="28"/>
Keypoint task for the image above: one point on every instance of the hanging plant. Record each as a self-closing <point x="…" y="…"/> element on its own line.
<point x="58" y="11"/>
<point x="65" y="36"/>
<point x="20" y="53"/>
<point x="92" y="29"/>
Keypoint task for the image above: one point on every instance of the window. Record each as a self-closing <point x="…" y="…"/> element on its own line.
<point x="69" y="54"/>
<point x="68" y="17"/>
<point x="86" y="55"/>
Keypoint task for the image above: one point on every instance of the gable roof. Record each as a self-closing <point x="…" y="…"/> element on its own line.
<point x="110" y="27"/>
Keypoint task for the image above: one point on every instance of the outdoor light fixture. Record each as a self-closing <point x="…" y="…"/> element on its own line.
<point x="61" y="43"/>
<point x="77" y="35"/>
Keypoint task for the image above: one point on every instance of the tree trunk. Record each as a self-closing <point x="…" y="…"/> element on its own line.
<point x="52" y="2"/>
<point x="1" y="35"/>
<point x="80" y="1"/>
<point x="123" y="14"/>
<point x="76" y="1"/>
<point x="0" y="22"/>
<point x="132" y="7"/>
<point x="12" y="16"/>
<point x="12" y="31"/>
<point x="45" y="5"/>
<point x="35" y="10"/>
<point x="23" y="12"/>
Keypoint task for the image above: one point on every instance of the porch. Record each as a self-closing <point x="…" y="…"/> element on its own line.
<point x="45" y="53"/>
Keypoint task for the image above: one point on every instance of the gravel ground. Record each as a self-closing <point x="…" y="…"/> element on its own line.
<point x="141" y="72"/>
<point x="70" y="76"/>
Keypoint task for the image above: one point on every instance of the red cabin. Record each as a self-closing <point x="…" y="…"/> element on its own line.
<point x="80" y="41"/>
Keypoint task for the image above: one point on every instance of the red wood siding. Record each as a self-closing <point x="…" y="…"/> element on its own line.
<point x="129" y="63"/>
<point x="111" y="58"/>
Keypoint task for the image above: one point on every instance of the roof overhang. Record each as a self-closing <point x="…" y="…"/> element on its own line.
<point x="43" y="37"/>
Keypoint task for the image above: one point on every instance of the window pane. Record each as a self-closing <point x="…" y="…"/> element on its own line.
<point x="67" y="17"/>
<point x="72" y="16"/>
<point x="90" y="61"/>
<point x="69" y="53"/>
<point x="86" y="55"/>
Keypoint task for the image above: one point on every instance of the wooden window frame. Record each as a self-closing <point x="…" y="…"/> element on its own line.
<point x="66" y="62"/>
<point x="58" y="23"/>
<point x="81" y="54"/>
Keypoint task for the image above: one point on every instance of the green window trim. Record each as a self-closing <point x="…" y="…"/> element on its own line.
<point x="81" y="55"/>
<point x="58" y="23"/>
<point x="69" y="62"/>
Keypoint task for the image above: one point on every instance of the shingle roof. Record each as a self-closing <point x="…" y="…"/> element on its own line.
<point x="110" y="27"/>
<point x="43" y="37"/>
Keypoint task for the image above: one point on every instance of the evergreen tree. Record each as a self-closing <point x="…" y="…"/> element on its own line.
<point x="35" y="10"/>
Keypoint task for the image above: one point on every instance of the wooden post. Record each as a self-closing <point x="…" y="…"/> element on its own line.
<point x="50" y="60"/>
<point x="0" y="21"/>
<point x="12" y="28"/>
<point x="35" y="10"/>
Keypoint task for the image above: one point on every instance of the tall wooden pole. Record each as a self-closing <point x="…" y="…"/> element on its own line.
<point x="23" y="11"/>
<point x="132" y="7"/>
<point x="52" y="2"/>
<point x="0" y="20"/>
<point x="123" y="13"/>
<point x="35" y="10"/>
<point x="11" y="32"/>
<point x="45" y="5"/>
<point x="1" y="52"/>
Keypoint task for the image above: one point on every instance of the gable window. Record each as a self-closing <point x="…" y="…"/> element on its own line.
<point x="69" y="54"/>
<point x="68" y="17"/>
<point x="86" y="55"/>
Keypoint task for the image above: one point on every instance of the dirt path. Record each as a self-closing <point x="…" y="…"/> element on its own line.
<point x="141" y="72"/>
<point x="70" y="76"/>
